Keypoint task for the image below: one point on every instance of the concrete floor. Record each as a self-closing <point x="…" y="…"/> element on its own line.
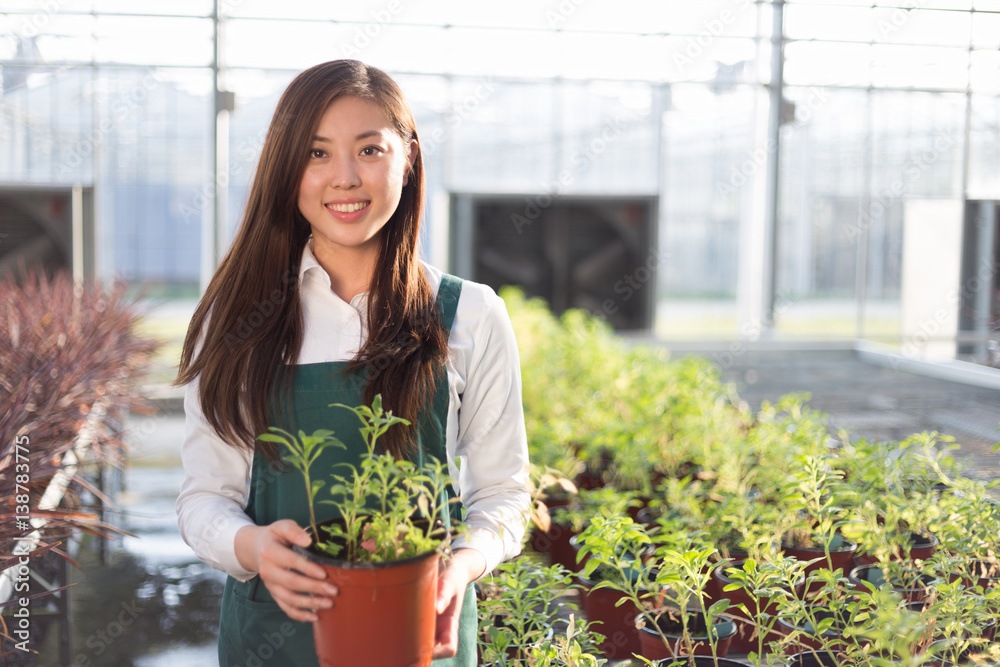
<point x="870" y="401"/>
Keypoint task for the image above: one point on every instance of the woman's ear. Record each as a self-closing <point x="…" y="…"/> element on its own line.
<point x="411" y="159"/>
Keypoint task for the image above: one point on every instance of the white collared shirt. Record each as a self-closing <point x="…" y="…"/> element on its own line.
<point x="486" y="443"/>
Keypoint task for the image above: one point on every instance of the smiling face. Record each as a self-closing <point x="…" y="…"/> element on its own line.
<point x="353" y="180"/>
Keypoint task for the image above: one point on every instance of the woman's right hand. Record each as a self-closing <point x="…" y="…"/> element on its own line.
<point x="296" y="584"/>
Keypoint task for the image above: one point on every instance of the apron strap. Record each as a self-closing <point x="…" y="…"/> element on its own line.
<point x="449" y="292"/>
<point x="447" y="300"/>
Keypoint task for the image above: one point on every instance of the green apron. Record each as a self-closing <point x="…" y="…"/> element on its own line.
<point x="253" y="630"/>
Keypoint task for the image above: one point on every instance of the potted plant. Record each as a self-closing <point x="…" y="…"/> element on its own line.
<point x="382" y="553"/>
<point x="816" y="493"/>
<point x="566" y="522"/>
<point x="522" y="607"/>
<point x="674" y="577"/>
<point x="755" y="590"/>
<point x="614" y="580"/>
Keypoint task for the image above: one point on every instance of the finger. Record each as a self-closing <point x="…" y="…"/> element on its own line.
<point x="446" y="635"/>
<point x="291" y="532"/>
<point x="446" y="629"/>
<point x="446" y="593"/>
<point x="297" y="614"/>
<point x="301" y="603"/>
<point x="274" y="575"/>
<point x="280" y="556"/>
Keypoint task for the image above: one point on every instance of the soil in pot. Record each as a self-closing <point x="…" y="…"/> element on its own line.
<point x="375" y="596"/>
<point x="668" y="620"/>
<point x="913" y="589"/>
<point x="745" y="640"/>
<point x="616" y="623"/>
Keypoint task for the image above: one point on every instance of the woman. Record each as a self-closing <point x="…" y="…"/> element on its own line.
<point x="321" y="300"/>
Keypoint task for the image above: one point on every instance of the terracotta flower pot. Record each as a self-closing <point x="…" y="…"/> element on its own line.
<point x="841" y="556"/>
<point x="616" y="623"/>
<point x="374" y="596"/>
<point x="653" y="647"/>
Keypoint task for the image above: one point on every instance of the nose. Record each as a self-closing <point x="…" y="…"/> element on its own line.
<point x="343" y="174"/>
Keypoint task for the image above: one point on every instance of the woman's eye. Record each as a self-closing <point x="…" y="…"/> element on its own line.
<point x="370" y="151"/>
<point x="316" y="152"/>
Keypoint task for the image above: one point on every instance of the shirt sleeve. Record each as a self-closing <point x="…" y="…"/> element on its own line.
<point x="491" y="447"/>
<point x="213" y="496"/>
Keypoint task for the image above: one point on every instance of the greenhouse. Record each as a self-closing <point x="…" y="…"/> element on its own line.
<point x="654" y="332"/>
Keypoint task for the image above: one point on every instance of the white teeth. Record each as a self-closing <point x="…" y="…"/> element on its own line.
<point x="347" y="208"/>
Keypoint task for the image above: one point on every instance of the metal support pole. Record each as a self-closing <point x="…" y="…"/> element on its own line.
<point x="214" y="236"/>
<point x="774" y="145"/>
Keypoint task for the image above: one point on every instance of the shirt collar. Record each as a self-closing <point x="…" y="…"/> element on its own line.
<point x="310" y="263"/>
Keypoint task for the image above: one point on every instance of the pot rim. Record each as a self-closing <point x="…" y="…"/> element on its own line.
<point x="721" y="620"/>
<point x="847" y="546"/>
<point x="855" y="579"/>
<point x="354" y="565"/>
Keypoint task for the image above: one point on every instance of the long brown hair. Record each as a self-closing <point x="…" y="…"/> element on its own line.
<point x="247" y="330"/>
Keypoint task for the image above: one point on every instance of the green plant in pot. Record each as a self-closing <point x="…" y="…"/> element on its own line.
<point x="821" y="621"/>
<point x="673" y="577"/>
<point x="523" y="606"/>
<point x="817" y="493"/>
<point x="568" y="521"/>
<point x="382" y="552"/>
<point x="569" y="650"/>
<point x="614" y="580"/>
<point x="756" y="590"/>
<point x="958" y="613"/>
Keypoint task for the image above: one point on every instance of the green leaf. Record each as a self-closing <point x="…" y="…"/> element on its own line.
<point x="719" y="607"/>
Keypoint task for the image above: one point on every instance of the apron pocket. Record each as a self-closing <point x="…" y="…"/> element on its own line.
<point x="260" y="634"/>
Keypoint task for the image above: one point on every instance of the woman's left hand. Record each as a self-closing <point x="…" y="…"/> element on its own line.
<point x="465" y="565"/>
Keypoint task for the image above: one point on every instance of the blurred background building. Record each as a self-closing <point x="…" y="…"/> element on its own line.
<point x="725" y="169"/>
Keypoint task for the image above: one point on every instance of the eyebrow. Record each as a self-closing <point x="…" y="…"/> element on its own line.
<point x="360" y="137"/>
